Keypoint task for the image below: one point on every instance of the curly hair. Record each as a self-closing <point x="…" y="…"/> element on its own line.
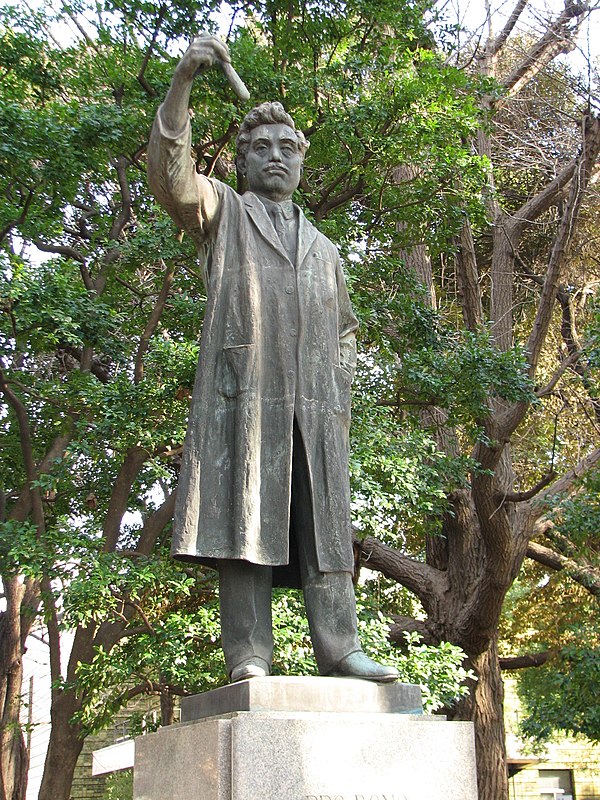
<point x="266" y="114"/>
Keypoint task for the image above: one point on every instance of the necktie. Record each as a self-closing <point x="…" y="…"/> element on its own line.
<point x="285" y="229"/>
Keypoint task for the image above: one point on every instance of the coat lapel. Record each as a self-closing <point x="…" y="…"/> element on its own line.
<point x="262" y="221"/>
<point x="307" y="233"/>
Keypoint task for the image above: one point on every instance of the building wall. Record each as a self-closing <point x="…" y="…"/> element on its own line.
<point x="85" y="785"/>
<point x="580" y="758"/>
<point x="574" y="755"/>
<point x="93" y="787"/>
<point x="35" y="712"/>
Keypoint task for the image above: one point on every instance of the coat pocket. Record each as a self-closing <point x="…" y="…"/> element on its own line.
<point x="342" y="383"/>
<point x="237" y="368"/>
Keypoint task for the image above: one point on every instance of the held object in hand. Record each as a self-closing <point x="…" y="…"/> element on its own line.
<point x="235" y="81"/>
<point x="233" y="78"/>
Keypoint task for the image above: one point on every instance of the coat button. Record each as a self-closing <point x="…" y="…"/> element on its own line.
<point x="289" y="290"/>
<point x="293" y="332"/>
<point x="291" y="374"/>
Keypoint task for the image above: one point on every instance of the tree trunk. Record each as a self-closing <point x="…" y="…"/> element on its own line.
<point x="167" y="708"/>
<point x="66" y="738"/>
<point x="14" y="758"/>
<point x="64" y="748"/>
<point x="485" y="707"/>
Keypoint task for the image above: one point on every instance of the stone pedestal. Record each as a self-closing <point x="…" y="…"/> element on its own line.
<point x="307" y="739"/>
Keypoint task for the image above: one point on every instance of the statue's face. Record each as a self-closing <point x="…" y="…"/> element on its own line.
<point x="273" y="162"/>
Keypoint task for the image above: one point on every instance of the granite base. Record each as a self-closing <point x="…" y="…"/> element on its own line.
<point x="308" y="755"/>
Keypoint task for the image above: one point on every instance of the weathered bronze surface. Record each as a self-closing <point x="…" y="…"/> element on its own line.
<point x="264" y="489"/>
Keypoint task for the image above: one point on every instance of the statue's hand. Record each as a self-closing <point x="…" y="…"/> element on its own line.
<point x="203" y="52"/>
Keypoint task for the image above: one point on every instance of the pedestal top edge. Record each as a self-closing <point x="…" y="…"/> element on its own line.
<point x="312" y="694"/>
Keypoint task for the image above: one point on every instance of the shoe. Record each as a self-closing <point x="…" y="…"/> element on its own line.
<point x="359" y="665"/>
<point x="249" y="670"/>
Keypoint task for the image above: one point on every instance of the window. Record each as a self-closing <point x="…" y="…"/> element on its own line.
<point x="556" y="784"/>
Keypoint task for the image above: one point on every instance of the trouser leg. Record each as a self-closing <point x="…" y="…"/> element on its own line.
<point x="328" y="596"/>
<point x="245" y="603"/>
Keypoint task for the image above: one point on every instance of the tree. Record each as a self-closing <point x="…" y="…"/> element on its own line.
<point x="550" y="619"/>
<point x="99" y="340"/>
<point x="490" y="520"/>
<point x="92" y="401"/>
<point x="568" y="686"/>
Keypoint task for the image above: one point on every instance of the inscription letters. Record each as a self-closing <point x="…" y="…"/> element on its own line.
<point x="367" y="796"/>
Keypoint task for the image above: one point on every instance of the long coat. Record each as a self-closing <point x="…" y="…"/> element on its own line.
<point x="278" y="343"/>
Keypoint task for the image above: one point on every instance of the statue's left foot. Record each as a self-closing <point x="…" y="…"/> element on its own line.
<point x="359" y="665"/>
<point x="249" y="669"/>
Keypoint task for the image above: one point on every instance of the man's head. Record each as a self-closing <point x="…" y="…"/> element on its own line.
<point x="270" y="151"/>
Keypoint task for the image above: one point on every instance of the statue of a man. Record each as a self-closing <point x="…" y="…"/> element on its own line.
<point x="264" y="491"/>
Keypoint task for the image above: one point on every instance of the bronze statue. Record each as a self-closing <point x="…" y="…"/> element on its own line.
<point x="264" y="491"/>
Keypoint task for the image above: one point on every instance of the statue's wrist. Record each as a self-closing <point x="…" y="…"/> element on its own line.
<point x="185" y="72"/>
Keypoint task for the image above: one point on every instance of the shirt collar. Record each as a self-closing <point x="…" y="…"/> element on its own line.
<point x="286" y="206"/>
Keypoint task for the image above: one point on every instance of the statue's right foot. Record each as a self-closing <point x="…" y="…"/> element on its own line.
<point x="249" y="669"/>
<point x="359" y="665"/>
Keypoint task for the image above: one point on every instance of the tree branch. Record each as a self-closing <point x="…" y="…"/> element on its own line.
<point x="545" y="198"/>
<point x="153" y="687"/>
<point x="87" y="38"/>
<point x="97" y="368"/>
<point x="117" y="506"/>
<point x="35" y="500"/>
<point x="404" y="625"/>
<point x="68" y="252"/>
<point x="155" y="524"/>
<point x="589" y="154"/>
<point x="558" y="38"/>
<point x="584" y="574"/>
<point x="324" y="208"/>
<point x="53" y="636"/>
<point x="20" y="219"/>
<point x="558" y="540"/>
<point x="22" y="507"/>
<point x="141" y="74"/>
<point x="545" y="499"/>
<point x="500" y="40"/>
<point x="124" y="216"/>
<point x="468" y="279"/>
<point x="575" y="349"/>
<point x="564" y="366"/>
<point x="571" y="339"/>
<point x="521" y="497"/>
<point x="120" y="221"/>
<point x="529" y="660"/>
<point x="152" y="322"/>
<point x="59" y="249"/>
<point x="427" y="583"/>
<point x="136" y="607"/>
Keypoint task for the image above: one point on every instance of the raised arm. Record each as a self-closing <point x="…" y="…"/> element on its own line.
<point x="192" y="201"/>
<point x="200" y="55"/>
